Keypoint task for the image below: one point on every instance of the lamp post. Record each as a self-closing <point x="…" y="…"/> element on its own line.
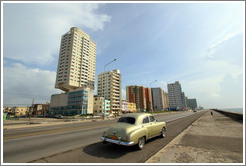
<point x="150" y="91"/>
<point x="105" y="95"/>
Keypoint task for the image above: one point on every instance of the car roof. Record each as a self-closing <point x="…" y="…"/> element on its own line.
<point x="137" y="116"/>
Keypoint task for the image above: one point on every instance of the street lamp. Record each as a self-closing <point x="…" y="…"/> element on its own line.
<point x="105" y="95"/>
<point x="150" y="91"/>
<point x="109" y="63"/>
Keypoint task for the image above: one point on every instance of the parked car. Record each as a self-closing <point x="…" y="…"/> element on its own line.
<point x="58" y="116"/>
<point x="134" y="129"/>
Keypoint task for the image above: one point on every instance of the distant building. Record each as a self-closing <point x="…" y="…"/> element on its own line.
<point x="191" y="103"/>
<point x="176" y="96"/>
<point x="159" y="99"/>
<point x="101" y="106"/>
<point x="75" y="74"/>
<point x="124" y="106"/>
<point x="128" y="107"/>
<point x="79" y="101"/>
<point x="132" y="107"/>
<point x="184" y="102"/>
<point x="109" y="87"/>
<point x="41" y="109"/>
<point x="141" y="96"/>
<point x="20" y="111"/>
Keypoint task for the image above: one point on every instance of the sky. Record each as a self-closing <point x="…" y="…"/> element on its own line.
<point x="201" y="45"/>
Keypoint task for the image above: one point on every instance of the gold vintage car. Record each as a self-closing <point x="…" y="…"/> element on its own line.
<point x="134" y="129"/>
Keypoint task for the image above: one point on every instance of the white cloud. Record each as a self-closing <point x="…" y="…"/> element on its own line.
<point x="224" y="91"/>
<point x="213" y="47"/>
<point x="32" y="32"/>
<point x="22" y="84"/>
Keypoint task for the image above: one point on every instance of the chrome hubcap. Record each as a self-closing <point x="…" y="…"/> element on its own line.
<point x="163" y="132"/>
<point x="141" y="142"/>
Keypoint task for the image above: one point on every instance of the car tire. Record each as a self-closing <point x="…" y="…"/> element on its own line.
<point x="163" y="132"/>
<point x="141" y="143"/>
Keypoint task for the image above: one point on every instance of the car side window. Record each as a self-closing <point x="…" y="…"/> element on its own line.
<point x="146" y="120"/>
<point x="152" y="119"/>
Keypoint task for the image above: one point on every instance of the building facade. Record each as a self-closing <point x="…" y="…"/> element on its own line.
<point x="128" y="107"/>
<point x="77" y="61"/>
<point x="159" y="99"/>
<point x="109" y="87"/>
<point x="184" y="102"/>
<point x="176" y="100"/>
<point x="124" y="106"/>
<point x="132" y="107"/>
<point x="75" y="74"/>
<point x="191" y="103"/>
<point x="41" y="109"/>
<point x="141" y="96"/>
<point x="79" y="101"/>
<point x="101" y="106"/>
<point x="21" y="111"/>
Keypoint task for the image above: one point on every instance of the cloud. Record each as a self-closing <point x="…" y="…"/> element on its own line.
<point x="214" y="46"/>
<point x="224" y="91"/>
<point x="22" y="84"/>
<point x="32" y="32"/>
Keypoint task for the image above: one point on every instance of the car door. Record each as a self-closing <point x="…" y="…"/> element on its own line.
<point x="154" y="125"/>
<point x="146" y="124"/>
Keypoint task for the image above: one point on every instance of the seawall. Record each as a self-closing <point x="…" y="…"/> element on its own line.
<point x="233" y="115"/>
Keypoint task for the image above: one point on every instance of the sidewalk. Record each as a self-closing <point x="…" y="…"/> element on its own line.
<point x="211" y="139"/>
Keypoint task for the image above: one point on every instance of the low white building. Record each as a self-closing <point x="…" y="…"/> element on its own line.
<point x="101" y="106"/>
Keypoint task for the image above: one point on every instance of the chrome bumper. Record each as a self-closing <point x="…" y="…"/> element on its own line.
<point x="117" y="142"/>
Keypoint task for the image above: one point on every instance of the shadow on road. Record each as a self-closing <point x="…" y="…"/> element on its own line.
<point x="108" y="150"/>
<point x="113" y="151"/>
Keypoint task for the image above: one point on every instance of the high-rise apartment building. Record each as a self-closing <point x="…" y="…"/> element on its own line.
<point x="75" y="74"/>
<point x="141" y="96"/>
<point x="176" y="100"/>
<point x="77" y="60"/>
<point x="159" y="99"/>
<point x="109" y="87"/>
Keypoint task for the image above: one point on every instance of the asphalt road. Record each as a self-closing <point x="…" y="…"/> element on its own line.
<point x="30" y="144"/>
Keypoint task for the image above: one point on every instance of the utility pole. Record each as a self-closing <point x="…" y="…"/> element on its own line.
<point x="30" y="111"/>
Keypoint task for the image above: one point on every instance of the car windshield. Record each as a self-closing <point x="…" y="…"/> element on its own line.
<point x="130" y="120"/>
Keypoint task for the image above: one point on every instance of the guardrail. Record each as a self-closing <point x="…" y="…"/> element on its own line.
<point x="233" y="115"/>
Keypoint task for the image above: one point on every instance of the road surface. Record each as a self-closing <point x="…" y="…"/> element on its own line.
<point x="30" y="144"/>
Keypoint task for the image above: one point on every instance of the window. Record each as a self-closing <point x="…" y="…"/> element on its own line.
<point x="146" y="120"/>
<point x="130" y="120"/>
<point x="152" y="119"/>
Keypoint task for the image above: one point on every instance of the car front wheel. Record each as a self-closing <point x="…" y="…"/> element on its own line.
<point x="141" y="143"/>
<point x="163" y="132"/>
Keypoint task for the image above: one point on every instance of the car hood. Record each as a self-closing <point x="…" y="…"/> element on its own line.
<point x="121" y="129"/>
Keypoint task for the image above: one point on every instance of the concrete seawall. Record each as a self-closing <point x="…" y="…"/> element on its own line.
<point x="233" y="115"/>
